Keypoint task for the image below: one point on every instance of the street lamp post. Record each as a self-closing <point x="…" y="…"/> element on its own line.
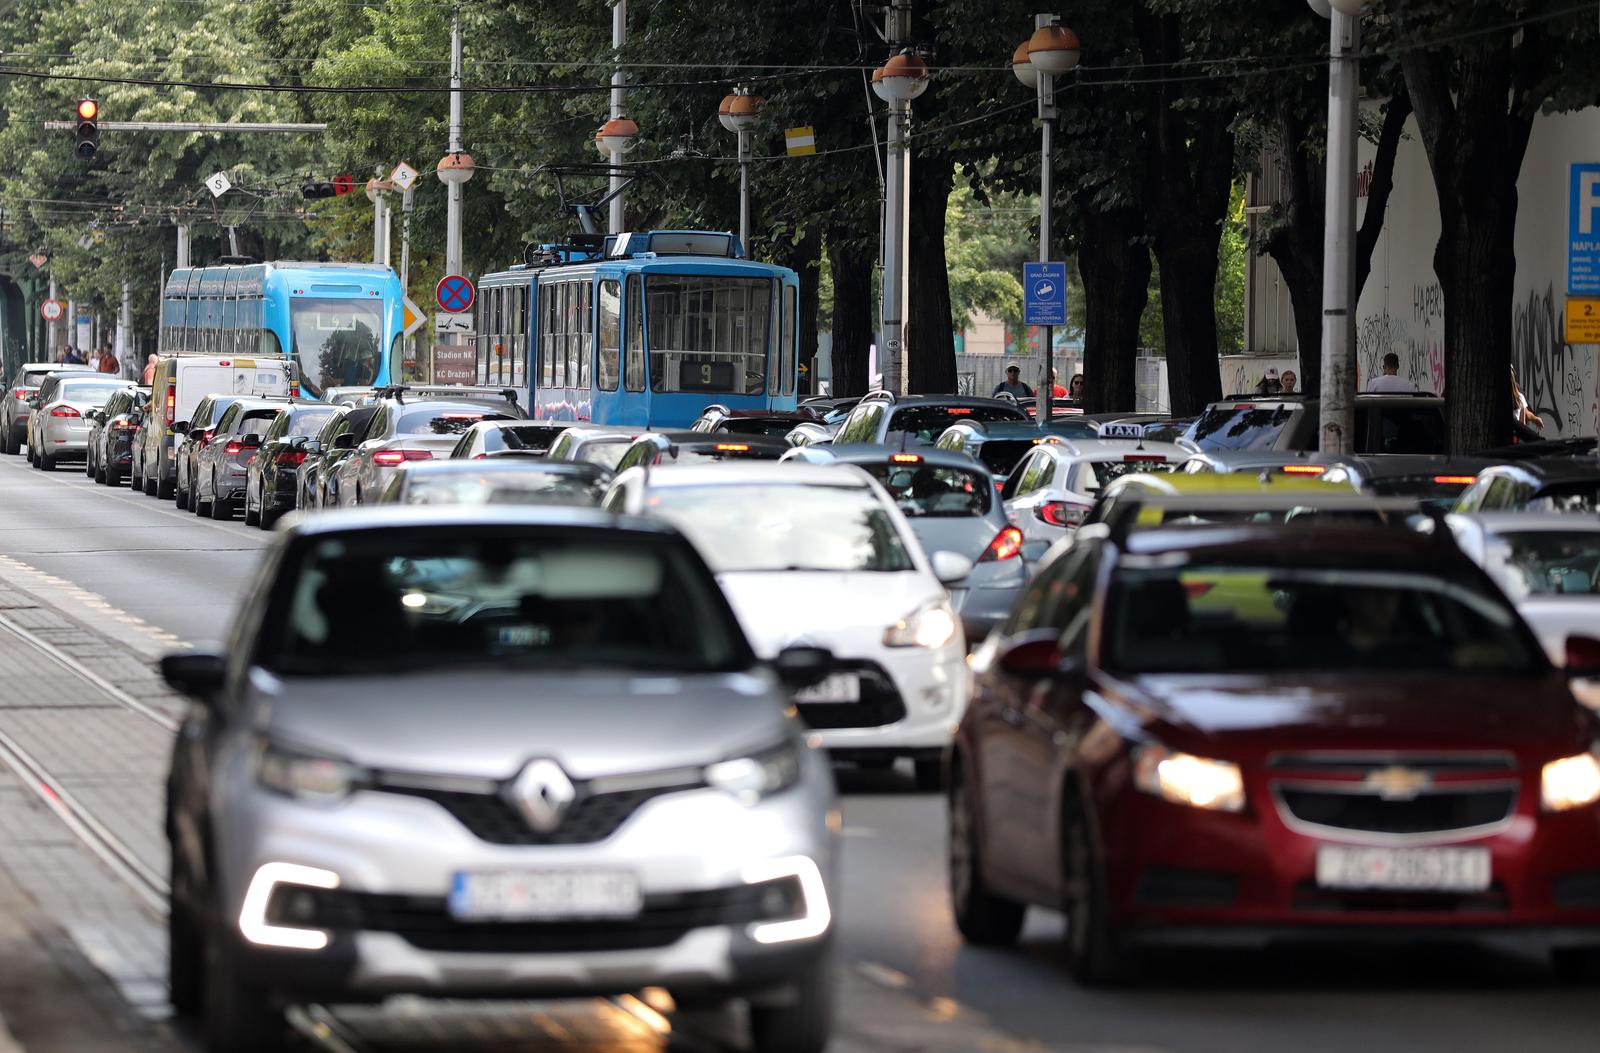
<point x="739" y="113"/>
<point x="1336" y="425"/>
<point x="897" y="82"/>
<point x="1052" y="50"/>
<point x="454" y="170"/>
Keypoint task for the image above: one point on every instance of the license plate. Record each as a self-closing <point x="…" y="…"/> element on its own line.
<point x="545" y="894"/>
<point x="840" y="687"/>
<point x="1411" y="869"/>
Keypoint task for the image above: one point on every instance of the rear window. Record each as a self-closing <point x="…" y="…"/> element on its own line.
<point x="929" y="422"/>
<point x="730" y="449"/>
<point x="503" y="488"/>
<point x="308" y="422"/>
<point x="926" y="491"/>
<point x="1568" y="497"/>
<point x="81" y="391"/>
<point x="1246" y="428"/>
<point x="1550" y="562"/>
<point x="439" y="421"/>
<point x="530" y="437"/>
<point x="1002" y="455"/>
<point x="1433" y="491"/>
<point x="604" y="452"/>
<point x="1404" y="429"/>
<point x="1092" y="475"/>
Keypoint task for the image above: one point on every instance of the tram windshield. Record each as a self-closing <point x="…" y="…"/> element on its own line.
<point x="337" y="342"/>
<point x="708" y="334"/>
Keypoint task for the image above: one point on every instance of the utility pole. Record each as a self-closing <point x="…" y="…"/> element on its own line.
<point x="619" y="37"/>
<point x="1337" y="423"/>
<point x="125" y="327"/>
<point x="51" y="329"/>
<point x="183" y="246"/>
<point x="454" y="189"/>
<point x="405" y="266"/>
<point x="901" y="79"/>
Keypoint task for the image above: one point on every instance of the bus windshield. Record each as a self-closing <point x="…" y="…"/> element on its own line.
<point x="337" y="342"/>
<point x="708" y="334"/>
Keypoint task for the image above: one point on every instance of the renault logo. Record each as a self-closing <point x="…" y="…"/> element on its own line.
<point x="543" y="794"/>
<point x="1397" y="783"/>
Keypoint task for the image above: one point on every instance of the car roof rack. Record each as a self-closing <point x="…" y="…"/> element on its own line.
<point x="880" y="395"/>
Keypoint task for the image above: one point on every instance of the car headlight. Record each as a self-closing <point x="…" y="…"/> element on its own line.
<point x="1183" y="778"/>
<point x="759" y="774"/>
<point x="932" y="625"/>
<point x="1571" y="782"/>
<point x="306" y="776"/>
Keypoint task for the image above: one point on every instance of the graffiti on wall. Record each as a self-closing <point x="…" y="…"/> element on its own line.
<point x="1418" y="341"/>
<point x="1557" y="379"/>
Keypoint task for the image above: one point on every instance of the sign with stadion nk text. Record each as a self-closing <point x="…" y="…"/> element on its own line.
<point x="1583" y="231"/>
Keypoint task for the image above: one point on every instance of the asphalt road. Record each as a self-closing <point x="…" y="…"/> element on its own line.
<point x="183" y="575"/>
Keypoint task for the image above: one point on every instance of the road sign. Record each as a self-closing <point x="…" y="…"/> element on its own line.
<point x="455" y="364"/>
<point x="51" y="310"/>
<point x="1583" y="320"/>
<point x="412" y="315"/>
<point x="218" y="184"/>
<point x="800" y="141"/>
<point x="1583" y="231"/>
<point x="455" y="293"/>
<point x="38" y="260"/>
<point x="1044" y="292"/>
<point x="453" y="324"/>
<point x="403" y="176"/>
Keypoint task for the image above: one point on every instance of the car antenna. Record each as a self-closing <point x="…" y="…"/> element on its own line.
<point x="904" y="437"/>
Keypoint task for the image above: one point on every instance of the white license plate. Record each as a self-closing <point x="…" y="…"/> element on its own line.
<point x="544" y="894"/>
<point x="1409" y="869"/>
<point x="840" y="687"/>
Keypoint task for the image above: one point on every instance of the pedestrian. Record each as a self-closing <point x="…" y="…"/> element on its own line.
<point x="1013" y="384"/>
<point x="108" y="361"/>
<point x="1286" y="383"/>
<point x="71" y="358"/>
<point x="1269" y="384"/>
<point x="1390" y="382"/>
<point x="1075" y="387"/>
<point x="149" y="371"/>
<point x="1056" y="390"/>
<point x="1523" y="413"/>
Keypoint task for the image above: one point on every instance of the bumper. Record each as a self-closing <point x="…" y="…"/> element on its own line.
<point x="63" y="439"/>
<point x="931" y="689"/>
<point x="693" y="843"/>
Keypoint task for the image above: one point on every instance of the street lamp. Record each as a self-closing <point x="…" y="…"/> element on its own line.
<point x="1052" y="51"/>
<point x="378" y="194"/>
<point x="1336" y="423"/>
<point x="897" y="82"/>
<point x="454" y="170"/>
<point x="617" y="136"/>
<point x="739" y="113"/>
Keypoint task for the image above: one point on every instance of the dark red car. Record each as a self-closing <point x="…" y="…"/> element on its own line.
<point x="1239" y="734"/>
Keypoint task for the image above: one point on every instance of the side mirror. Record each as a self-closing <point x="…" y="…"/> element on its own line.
<point x="181" y="428"/>
<point x="347" y="441"/>
<point x="251" y="440"/>
<point x="198" y="674"/>
<point x="950" y="567"/>
<point x="802" y="667"/>
<point x="1583" y="657"/>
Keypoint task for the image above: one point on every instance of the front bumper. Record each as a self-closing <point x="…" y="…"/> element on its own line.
<point x="912" y="699"/>
<point x="689" y="843"/>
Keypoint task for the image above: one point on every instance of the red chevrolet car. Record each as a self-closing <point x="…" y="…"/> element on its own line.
<point x="1239" y="734"/>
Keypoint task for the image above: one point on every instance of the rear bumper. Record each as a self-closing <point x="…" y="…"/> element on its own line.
<point x="1529" y="939"/>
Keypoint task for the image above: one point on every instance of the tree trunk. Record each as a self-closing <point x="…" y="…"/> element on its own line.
<point x="804" y="257"/>
<point x="1115" y="266"/>
<point x="1476" y="263"/>
<point x="1296" y="244"/>
<point x="851" y="265"/>
<point x="930" y="335"/>
<point x="1189" y="318"/>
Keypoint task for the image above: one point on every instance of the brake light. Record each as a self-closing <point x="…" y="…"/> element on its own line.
<point x="1196" y="589"/>
<point x="1144" y="458"/>
<point x="290" y="458"/>
<point x="65" y="411"/>
<point x="1455" y="480"/>
<point x="390" y="458"/>
<point x="236" y="447"/>
<point x="20" y="394"/>
<point x="172" y="400"/>
<point x="733" y="447"/>
<point x="1244" y="405"/>
<point x="1006" y="545"/>
<point x="1061" y="514"/>
<point x="904" y="458"/>
<point x="958" y="411"/>
<point x="1302" y="469"/>
<point x="123" y="425"/>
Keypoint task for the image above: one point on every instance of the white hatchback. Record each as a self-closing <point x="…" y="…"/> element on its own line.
<point x="1051" y="490"/>
<point x="820" y="555"/>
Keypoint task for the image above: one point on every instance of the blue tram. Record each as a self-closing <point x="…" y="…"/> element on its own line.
<point x="340" y="322"/>
<point x="643" y="329"/>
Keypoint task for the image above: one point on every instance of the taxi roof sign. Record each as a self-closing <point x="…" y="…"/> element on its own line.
<point x="1120" y="430"/>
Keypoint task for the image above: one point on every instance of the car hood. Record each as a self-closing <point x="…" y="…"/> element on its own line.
<point x="843" y="611"/>
<point x="488" y="724"/>
<point x="1344" y="711"/>
<point x="1554" y="618"/>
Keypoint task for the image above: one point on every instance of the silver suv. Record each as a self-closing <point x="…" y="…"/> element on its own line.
<point x="518" y="752"/>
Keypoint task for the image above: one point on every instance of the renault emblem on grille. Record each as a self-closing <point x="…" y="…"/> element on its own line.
<point x="543" y="794"/>
<point x="1397" y="783"/>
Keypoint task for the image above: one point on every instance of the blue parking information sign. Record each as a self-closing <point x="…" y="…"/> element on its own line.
<point x="1583" y="231"/>
<point x="1044" y="294"/>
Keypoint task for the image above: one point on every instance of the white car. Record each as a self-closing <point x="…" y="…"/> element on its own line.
<point x="1051" y="490"/>
<point x="1549" y="566"/>
<point x="820" y="555"/>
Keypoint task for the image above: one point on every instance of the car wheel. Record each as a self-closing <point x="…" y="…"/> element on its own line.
<point x="137" y="477"/>
<point x="221" y="508"/>
<point x="186" y="948"/>
<point x="88" y="467"/>
<point x="5" y="441"/>
<point x="239" y="1018"/>
<point x="251" y="516"/>
<point x="929" y="774"/>
<point x="194" y="496"/>
<point x="982" y="917"/>
<point x="164" y="489"/>
<point x="1576" y="964"/>
<point x="803" y="1023"/>
<point x="180" y="493"/>
<point x="267" y="518"/>
<point x="113" y="477"/>
<point x="47" y="463"/>
<point x="1094" y="955"/>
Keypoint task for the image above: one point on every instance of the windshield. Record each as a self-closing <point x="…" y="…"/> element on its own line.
<point x="336" y="341"/>
<point x="1244" y="428"/>
<point x="399" y="601"/>
<point x="535" y="437"/>
<point x="929" y="422"/>
<point x="438" y="420"/>
<point x="926" y="490"/>
<point x="1550" y="562"/>
<point x="785" y="527"/>
<point x="1250" y="617"/>
<point x="519" y="487"/>
<point x="708" y="334"/>
<point x="97" y="394"/>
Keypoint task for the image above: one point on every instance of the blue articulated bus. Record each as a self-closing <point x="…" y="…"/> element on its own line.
<point x="641" y="329"/>
<point x="340" y="322"/>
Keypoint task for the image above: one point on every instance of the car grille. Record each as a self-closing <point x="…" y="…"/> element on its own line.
<point x="425" y="922"/>
<point x="1399" y="795"/>
<point x="880" y="702"/>
<point x="1427" y="813"/>
<point x="490" y="817"/>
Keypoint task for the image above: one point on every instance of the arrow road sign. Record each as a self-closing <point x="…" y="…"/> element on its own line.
<point x="413" y="316"/>
<point x="1044" y="291"/>
<point x="453" y="324"/>
<point x="455" y="294"/>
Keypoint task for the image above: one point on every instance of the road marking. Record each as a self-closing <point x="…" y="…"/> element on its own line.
<point x="883" y="976"/>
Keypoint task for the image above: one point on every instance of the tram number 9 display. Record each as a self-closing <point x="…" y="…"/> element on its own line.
<point x="706" y="376"/>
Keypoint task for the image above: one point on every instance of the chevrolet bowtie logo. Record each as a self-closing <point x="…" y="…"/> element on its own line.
<point x="1397" y="783"/>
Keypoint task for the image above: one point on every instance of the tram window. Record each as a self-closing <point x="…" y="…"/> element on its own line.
<point x="633" y="379"/>
<point x="585" y="332"/>
<point x="709" y="334"/>
<point x="786" y="348"/>
<point x="610" y="342"/>
<point x="519" y="344"/>
<point x="547" y="328"/>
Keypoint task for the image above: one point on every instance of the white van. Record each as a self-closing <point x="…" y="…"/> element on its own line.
<point x="181" y="381"/>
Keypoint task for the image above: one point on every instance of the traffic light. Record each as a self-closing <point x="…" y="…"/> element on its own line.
<point x="88" y="138"/>
<point x="312" y="191"/>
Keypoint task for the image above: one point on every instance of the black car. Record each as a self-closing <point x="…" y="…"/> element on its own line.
<point x="1436" y="481"/>
<point x="270" y="475"/>
<point x="111" y="431"/>
<point x="317" y="484"/>
<point x="1557" y="484"/>
<point x="1384" y="424"/>
<point x="193" y="436"/>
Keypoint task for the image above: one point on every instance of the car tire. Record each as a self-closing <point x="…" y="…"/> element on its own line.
<point x="186" y="946"/>
<point x="5" y="441"/>
<point x="929" y="775"/>
<point x="149" y="486"/>
<point x="165" y="488"/>
<point x="113" y="477"/>
<point x="1095" y="956"/>
<point x="88" y="467"/>
<point x="239" y="1018"/>
<point x="803" y="1023"/>
<point x="982" y="917"/>
<point x="267" y="519"/>
<point x="251" y="517"/>
<point x="180" y="493"/>
<point x="221" y="508"/>
<point x="47" y="463"/>
<point x="1576" y="965"/>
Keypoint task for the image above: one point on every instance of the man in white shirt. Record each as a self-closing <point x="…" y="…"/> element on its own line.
<point x="1390" y="382"/>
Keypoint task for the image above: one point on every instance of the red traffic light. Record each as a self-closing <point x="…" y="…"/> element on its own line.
<point x="88" y="109"/>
